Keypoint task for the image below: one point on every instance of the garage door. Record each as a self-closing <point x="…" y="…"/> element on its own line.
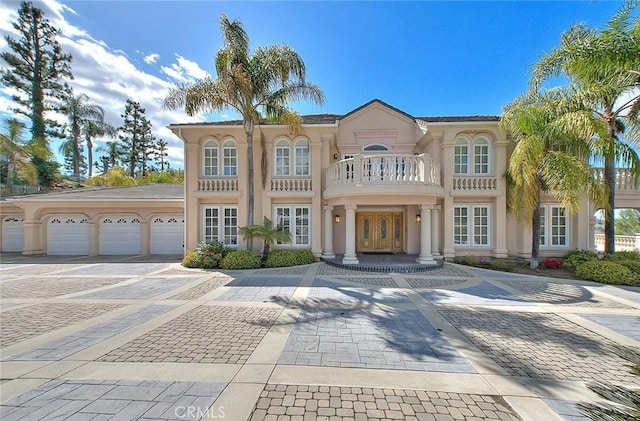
<point x="167" y="234"/>
<point x="120" y="235"/>
<point x="68" y="235"/>
<point x="12" y="234"/>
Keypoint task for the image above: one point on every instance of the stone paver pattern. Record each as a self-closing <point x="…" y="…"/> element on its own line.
<point x="434" y="282"/>
<point x="81" y="340"/>
<point x="371" y="338"/>
<point x="625" y="325"/>
<point x="370" y="280"/>
<point x="144" y="288"/>
<point x="304" y="402"/>
<point x="324" y="292"/>
<point x="118" y="269"/>
<point x="47" y="287"/>
<point x="23" y="323"/>
<point x="207" y="334"/>
<point x="265" y="289"/>
<point x="201" y="289"/>
<point x="114" y="400"/>
<point x="541" y="345"/>
<point x="483" y="293"/>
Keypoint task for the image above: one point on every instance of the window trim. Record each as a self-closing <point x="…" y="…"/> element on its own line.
<point x="546" y="228"/>
<point x="471" y="143"/>
<point x="292" y="224"/>
<point x="387" y="148"/>
<point x="471" y="225"/>
<point x="220" y="147"/>
<point x="292" y="148"/>
<point x="221" y="225"/>
<point x="225" y="146"/>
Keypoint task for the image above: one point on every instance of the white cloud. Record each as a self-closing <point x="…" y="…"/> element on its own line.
<point x="151" y="58"/>
<point x="184" y="70"/>
<point x="108" y="77"/>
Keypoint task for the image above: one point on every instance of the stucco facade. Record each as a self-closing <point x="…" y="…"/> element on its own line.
<point x="373" y="180"/>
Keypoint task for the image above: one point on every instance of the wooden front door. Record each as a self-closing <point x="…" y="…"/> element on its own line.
<point x="379" y="231"/>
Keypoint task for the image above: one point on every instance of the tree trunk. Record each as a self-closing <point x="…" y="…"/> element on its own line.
<point x="265" y="250"/>
<point x="535" y="234"/>
<point x="609" y="223"/>
<point x="11" y="167"/>
<point x="250" y="189"/>
<point x="90" y="155"/>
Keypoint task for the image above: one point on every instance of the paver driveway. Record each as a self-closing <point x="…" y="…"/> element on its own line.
<point x="134" y="338"/>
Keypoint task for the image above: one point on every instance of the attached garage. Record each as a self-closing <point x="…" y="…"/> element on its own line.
<point x="167" y="234"/>
<point x="120" y="235"/>
<point x="68" y="235"/>
<point x="12" y="234"/>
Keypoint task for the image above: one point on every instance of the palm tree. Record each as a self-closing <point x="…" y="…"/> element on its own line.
<point x="78" y="113"/>
<point x="545" y="160"/>
<point x="600" y="67"/>
<point x="268" y="233"/>
<point x="256" y="84"/>
<point x="92" y="129"/>
<point x="15" y="148"/>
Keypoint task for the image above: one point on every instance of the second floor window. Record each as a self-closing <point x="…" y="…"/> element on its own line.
<point x="291" y="158"/>
<point x="474" y="151"/>
<point x="220" y="159"/>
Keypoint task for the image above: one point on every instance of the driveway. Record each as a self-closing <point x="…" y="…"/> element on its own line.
<point x="143" y="338"/>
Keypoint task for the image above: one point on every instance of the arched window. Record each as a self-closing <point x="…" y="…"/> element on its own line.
<point x="283" y="153"/>
<point x="301" y="150"/>
<point x="375" y="147"/>
<point x="220" y="159"/>
<point x="481" y="156"/>
<point x="461" y="156"/>
<point x="229" y="158"/>
<point x="210" y="158"/>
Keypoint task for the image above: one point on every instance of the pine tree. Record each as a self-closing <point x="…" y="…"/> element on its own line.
<point x="161" y="154"/>
<point x="36" y="69"/>
<point x="135" y="137"/>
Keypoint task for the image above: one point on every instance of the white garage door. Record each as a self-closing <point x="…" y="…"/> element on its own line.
<point x="120" y="235"/>
<point x="167" y="234"/>
<point x="68" y="235"/>
<point x="12" y="234"/>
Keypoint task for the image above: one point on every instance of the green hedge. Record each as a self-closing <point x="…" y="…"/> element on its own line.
<point x="576" y="257"/>
<point x="624" y="255"/>
<point x="282" y="258"/>
<point x="192" y="260"/>
<point x="304" y="257"/>
<point x="241" y="259"/>
<point x="606" y="272"/>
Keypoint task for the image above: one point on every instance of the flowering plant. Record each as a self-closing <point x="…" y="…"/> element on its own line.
<point x="551" y="263"/>
<point x="211" y="254"/>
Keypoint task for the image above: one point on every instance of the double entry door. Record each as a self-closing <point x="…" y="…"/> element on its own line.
<point x="379" y="231"/>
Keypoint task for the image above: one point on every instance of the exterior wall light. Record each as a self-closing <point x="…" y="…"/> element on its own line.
<point x="418" y="218"/>
<point x="337" y="219"/>
<point x="335" y="156"/>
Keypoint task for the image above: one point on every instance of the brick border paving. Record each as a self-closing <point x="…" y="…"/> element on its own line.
<point x="302" y="403"/>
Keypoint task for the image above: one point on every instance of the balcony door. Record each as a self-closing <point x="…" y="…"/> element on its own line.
<point x="379" y="231"/>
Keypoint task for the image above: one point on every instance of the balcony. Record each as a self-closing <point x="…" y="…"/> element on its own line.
<point x="383" y="174"/>
<point x="624" y="179"/>
<point x="218" y="187"/>
<point x="286" y="187"/>
<point x="475" y="186"/>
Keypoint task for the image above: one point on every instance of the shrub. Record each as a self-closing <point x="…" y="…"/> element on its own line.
<point x="281" y="258"/>
<point x="304" y="257"/>
<point x="498" y="265"/>
<point x="624" y="255"/>
<point x="192" y="260"/>
<point x="632" y="265"/>
<point x="606" y="272"/>
<point x="211" y="254"/>
<point x="467" y="260"/>
<point x="551" y="263"/>
<point x="576" y="257"/>
<point x="241" y="259"/>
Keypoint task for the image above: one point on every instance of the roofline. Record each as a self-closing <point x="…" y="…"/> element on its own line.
<point x="379" y="101"/>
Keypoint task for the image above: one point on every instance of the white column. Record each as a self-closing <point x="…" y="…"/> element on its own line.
<point x="327" y="253"/>
<point x="425" y="257"/>
<point x="350" y="257"/>
<point x="435" y="230"/>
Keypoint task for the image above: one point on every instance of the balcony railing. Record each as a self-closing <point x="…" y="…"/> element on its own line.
<point x="218" y="185"/>
<point x="291" y="185"/>
<point x="624" y="179"/>
<point x="623" y="242"/>
<point x="475" y="184"/>
<point x="384" y="169"/>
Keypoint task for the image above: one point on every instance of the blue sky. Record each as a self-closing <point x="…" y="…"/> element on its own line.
<point x="425" y="58"/>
